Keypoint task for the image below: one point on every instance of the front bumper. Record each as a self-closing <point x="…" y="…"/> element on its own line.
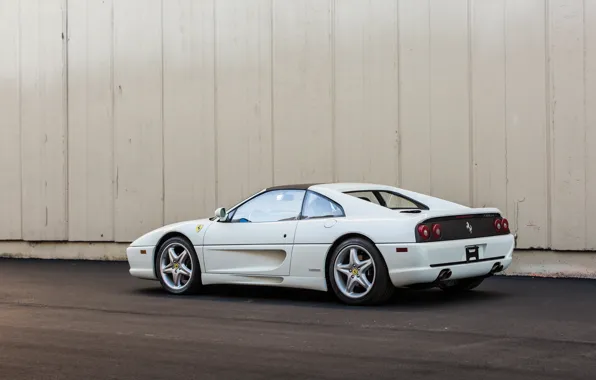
<point x="421" y="263"/>
<point x="140" y="260"/>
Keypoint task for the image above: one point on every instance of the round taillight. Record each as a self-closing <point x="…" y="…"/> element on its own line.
<point x="423" y="232"/>
<point x="437" y="231"/>
<point x="498" y="225"/>
<point x="505" y="223"/>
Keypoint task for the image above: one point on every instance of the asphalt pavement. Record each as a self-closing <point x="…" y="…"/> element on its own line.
<point x="92" y="320"/>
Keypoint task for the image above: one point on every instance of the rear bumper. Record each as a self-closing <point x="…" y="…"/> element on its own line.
<point x="422" y="262"/>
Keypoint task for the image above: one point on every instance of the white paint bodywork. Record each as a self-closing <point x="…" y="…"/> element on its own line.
<point x="293" y="253"/>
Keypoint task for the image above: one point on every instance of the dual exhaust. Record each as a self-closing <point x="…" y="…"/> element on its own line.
<point x="496" y="268"/>
<point x="445" y="274"/>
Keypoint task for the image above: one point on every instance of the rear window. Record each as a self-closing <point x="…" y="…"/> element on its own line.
<point x="387" y="199"/>
<point x="368" y="196"/>
<point x="394" y="201"/>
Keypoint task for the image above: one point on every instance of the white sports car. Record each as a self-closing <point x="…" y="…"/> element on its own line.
<point x="359" y="240"/>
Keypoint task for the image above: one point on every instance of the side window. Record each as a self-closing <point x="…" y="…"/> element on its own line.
<point x="368" y="196"/>
<point x="272" y="206"/>
<point x="317" y="206"/>
<point x="394" y="201"/>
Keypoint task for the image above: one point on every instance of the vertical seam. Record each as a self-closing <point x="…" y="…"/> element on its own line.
<point x="585" y="123"/>
<point x="332" y="38"/>
<point x="272" y="89"/>
<point x="114" y="142"/>
<point x="430" y="105"/>
<point x="398" y="127"/>
<point x="471" y="134"/>
<point x="549" y="147"/>
<point x="65" y="98"/>
<point x="163" y="128"/>
<point x="505" y="116"/>
<point x="20" y="102"/>
<point x="215" y="129"/>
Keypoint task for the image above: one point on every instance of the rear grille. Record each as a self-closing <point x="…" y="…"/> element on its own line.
<point x="461" y="227"/>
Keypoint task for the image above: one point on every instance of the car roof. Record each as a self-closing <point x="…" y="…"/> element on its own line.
<point x="354" y="186"/>
<point x="301" y="186"/>
<point x="336" y="186"/>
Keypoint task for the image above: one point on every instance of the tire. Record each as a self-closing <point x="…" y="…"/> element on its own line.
<point x="463" y="285"/>
<point x="187" y="284"/>
<point x="380" y="289"/>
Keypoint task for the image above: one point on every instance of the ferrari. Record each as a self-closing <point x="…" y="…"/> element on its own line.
<point x="359" y="241"/>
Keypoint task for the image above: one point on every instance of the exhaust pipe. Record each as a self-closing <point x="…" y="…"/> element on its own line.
<point x="497" y="267"/>
<point x="444" y="275"/>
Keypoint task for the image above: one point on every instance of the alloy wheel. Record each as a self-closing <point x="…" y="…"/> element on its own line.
<point x="355" y="271"/>
<point x="176" y="266"/>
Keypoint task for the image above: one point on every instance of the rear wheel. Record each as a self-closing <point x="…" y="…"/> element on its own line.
<point x="177" y="267"/>
<point x="462" y="285"/>
<point x="358" y="274"/>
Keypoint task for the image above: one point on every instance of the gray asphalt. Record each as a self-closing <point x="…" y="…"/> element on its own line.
<point x="91" y="320"/>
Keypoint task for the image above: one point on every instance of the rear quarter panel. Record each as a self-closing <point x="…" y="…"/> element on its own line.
<point x="385" y="230"/>
<point x="315" y="237"/>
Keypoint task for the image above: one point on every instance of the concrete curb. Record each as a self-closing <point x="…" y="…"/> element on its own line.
<point x="553" y="264"/>
<point x="525" y="263"/>
<point x="64" y="250"/>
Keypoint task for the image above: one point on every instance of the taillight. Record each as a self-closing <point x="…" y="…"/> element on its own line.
<point x="498" y="224"/>
<point x="501" y="225"/>
<point x="437" y="231"/>
<point x="505" y="224"/>
<point x="423" y="232"/>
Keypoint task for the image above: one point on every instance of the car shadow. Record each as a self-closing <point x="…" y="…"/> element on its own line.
<point x="402" y="299"/>
<point x="416" y="299"/>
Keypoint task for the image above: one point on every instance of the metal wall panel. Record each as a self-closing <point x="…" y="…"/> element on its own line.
<point x="10" y="122"/>
<point x="414" y="95"/>
<point x="164" y="110"/>
<point x="449" y="101"/>
<point x="243" y="103"/>
<point x="526" y="115"/>
<point x="303" y="143"/>
<point x="43" y="119"/>
<point x="366" y="87"/>
<point x="188" y="101"/>
<point x="90" y="121"/>
<point x="567" y="124"/>
<point x="489" y="145"/>
<point x="138" y="117"/>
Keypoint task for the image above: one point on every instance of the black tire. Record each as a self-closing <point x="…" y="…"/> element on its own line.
<point x="462" y="285"/>
<point x="194" y="284"/>
<point x="382" y="287"/>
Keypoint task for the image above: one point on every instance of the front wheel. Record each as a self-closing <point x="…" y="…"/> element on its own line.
<point x="358" y="274"/>
<point x="177" y="267"/>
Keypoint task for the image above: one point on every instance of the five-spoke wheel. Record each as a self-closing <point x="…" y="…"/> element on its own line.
<point x="358" y="274"/>
<point x="354" y="271"/>
<point x="177" y="266"/>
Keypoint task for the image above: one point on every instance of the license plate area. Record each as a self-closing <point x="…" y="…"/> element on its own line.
<point x="472" y="253"/>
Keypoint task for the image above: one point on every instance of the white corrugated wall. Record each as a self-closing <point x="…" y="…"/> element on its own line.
<point x="119" y="116"/>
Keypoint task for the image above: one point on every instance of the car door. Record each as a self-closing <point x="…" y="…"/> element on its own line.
<point x="314" y="235"/>
<point x="257" y="238"/>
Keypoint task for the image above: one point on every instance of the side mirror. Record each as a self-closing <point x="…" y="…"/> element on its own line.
<point x="221" y="213"/>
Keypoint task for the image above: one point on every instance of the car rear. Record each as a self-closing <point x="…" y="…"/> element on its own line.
<point x="451" y="246"/>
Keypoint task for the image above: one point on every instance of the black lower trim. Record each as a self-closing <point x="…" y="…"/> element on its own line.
<point x="467" y="262"/>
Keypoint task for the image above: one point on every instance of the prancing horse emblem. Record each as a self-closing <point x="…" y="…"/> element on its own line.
<point x="469" y="226"/>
